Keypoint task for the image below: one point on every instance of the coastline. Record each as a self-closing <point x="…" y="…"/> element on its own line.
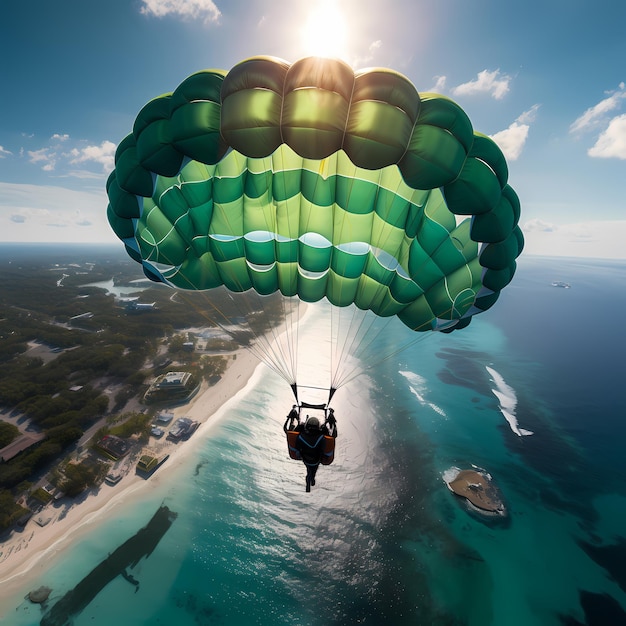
<point x="25" y="554"/>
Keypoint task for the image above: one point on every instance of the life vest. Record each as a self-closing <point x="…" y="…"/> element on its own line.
<point x="294" y="453"/>
<point x="328" y="450"/>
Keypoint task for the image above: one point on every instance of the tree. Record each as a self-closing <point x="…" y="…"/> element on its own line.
<point x="8" y="432"/>
<point x="79" y="476"/>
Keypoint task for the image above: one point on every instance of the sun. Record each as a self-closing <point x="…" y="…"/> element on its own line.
<point x="325" y="31"/>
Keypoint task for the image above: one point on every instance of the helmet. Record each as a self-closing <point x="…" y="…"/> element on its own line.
<point x="313" y="423"/>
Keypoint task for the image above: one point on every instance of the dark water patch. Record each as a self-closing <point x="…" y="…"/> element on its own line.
<point x="127" y="555"/>
<point x="198" y="467"/>
<point x="554" y="455"/>
<point x="413" y="542"/>
<point x="465" y="368"/>
<point x="611" y="557"/>
<point x="494" y="521"/>
<point x="201" y="609"/>
<point x="600" y="609"/>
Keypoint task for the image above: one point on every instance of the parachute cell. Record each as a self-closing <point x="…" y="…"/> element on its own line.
<point x="315" y="181"/>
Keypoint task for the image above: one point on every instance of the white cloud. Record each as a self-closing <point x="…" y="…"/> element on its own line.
<point x="601" y="240"/>
<point x="359" y="62"/>
<point x="58" y="137"/>
<point x="439" y="86"/>
<point x="189" y="9"/>
<point x="104" y="154"/>
<point x="492" y="83"/>
<point x="52" y="159"/>
<point x="512" y="140"/>
<point x="83" y="174"/>
<point x="597" y="114"/>
<point x="4" y="153"/>
<point x="528" y="117"/>
<point x="49" y="213"/>
<point x="44" y="157"/>
<point x="612" y="142"/>
<point x="538" y="225"/>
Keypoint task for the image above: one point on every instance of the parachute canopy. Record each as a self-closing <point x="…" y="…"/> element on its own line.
<point x="316" y="181"/>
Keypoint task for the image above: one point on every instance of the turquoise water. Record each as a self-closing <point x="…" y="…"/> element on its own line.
<point x="380" y="539"/>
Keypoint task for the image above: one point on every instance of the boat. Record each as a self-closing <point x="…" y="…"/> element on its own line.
<point x="560" y="283"/>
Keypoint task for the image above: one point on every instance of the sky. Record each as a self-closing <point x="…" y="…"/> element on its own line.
<point x="544" y="78"/>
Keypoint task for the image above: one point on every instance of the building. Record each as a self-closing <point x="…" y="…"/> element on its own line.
<point x="172" y="381"/>
<point x="172" y="387"/>
<point x="114" y="447"/>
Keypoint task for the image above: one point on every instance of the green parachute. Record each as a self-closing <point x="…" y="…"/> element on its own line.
<point x="315" y="181"/>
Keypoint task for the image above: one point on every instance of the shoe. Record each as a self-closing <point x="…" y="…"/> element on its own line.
<point x="312" y="482"/>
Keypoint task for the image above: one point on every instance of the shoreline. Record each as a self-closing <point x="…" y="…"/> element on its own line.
<point x="25" y="555"/>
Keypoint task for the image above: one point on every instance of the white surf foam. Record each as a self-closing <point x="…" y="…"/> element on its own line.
<point x="417" y="385"/>
<point x="507" y="401"/>
<point x="449" y="475"/>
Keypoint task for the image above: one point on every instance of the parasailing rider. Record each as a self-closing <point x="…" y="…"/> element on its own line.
<point x="310" y="444"/>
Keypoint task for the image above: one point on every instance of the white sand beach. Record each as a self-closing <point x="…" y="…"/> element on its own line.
<point x="24" y="555"/>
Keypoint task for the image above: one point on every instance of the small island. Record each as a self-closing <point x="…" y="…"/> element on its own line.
<point x="476" y="487"/>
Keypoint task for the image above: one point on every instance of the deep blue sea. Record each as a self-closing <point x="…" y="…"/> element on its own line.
<point x="532" y="392"/>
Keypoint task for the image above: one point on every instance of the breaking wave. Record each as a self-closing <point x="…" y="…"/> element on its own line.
<point x="417" y="385"/>
<point x="507" y="402"/>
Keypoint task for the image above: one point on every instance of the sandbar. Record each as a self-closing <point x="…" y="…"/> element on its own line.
<point x="478" y="489"/>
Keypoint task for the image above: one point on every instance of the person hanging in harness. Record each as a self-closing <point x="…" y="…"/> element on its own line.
<point x="310" y="444"/>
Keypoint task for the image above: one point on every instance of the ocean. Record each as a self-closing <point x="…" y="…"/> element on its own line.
<point x="532" y="393"/>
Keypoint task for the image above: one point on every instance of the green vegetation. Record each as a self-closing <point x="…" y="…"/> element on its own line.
<point x="10" y="511"/>
<point x="8" y="432"/>
<point x="74" y="478"/>
<point x="41" y="495"/>
<point x="211" y="367"/>
<point x="68" y="372"/>
<point x="131" y="424"/>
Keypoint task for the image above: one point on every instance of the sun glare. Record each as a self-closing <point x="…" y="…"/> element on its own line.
<point x="325" y="31"/>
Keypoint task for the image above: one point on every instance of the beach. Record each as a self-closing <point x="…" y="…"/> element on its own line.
<point x="380" y="538"/>
<point x="25" y="554"/>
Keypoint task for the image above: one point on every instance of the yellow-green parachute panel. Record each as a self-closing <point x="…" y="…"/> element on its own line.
<point x="318" y="182"/>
